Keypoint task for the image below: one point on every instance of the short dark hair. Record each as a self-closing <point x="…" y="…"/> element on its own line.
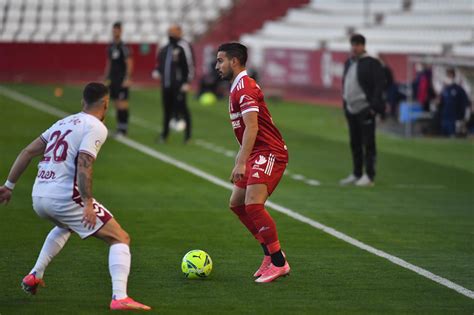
<point x="357" y="39"/>
<point x="235" y="50"/>
<point x="117" y="24"/>
<point x="94" y="92"/>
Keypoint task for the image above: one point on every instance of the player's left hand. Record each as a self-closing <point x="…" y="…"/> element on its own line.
<point x="5" y="195"/>
<point x="127" y="83"/>
<point x="237" y="173"/>
<point x="185" y="87"/>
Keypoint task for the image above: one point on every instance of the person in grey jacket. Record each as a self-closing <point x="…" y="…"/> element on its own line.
<point x="363" y="85"/>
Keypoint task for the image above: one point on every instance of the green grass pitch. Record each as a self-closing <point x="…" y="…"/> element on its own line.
<point x="421" y="210"/>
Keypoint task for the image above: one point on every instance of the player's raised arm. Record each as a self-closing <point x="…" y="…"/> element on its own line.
<point x="84" y="182"/>
<point x="34" y="149"/>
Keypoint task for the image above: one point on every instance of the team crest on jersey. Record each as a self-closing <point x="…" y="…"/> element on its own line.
<point x="98" y="144"/>
<point x="261" y="160"/>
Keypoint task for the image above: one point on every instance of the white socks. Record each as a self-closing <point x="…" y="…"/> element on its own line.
<point x="119" y="260"/>
<point x="53" y="244"/>
<point x="119" y="267"/>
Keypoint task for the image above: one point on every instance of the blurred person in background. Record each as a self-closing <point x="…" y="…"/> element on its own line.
<point x="423" y="90"/>
<point x="118" y="72"/>
<point x="175" y="67"/>
<point x="363" y="87"/>
<point x="210" y="82"/>
<point x="454" y="106"/>
<point x="392" y="95"/>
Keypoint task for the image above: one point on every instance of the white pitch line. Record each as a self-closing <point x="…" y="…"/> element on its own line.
<point x="26" y="100"/>
<point x="217" y="149"/>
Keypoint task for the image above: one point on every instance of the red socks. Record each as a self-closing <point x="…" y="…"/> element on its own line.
<point x="264" y="225"/>
<point x="247" y="221"/>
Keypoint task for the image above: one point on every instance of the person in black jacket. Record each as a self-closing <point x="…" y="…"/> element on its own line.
<point x="175" y="74"/>
<point x="363" y="86"/>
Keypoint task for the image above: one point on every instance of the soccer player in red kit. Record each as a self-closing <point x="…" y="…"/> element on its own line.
<point x="260" y="162"/>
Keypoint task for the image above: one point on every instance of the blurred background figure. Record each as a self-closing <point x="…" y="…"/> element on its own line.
<point x="210" y="81"/>
<point x="363" y="86"/>
<point x="423" y="89"/>
<point x="118" y="72"/>
<point x="392" y="94"/>
<point x="175" y="67"/>
<point x="454" y="106"/>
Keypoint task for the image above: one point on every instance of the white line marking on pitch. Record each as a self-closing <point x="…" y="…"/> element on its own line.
<point x="26" y="100"/>
<point x="218" y="149"/>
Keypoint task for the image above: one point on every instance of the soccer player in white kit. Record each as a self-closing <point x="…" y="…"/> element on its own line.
<point x="62" y="192"/>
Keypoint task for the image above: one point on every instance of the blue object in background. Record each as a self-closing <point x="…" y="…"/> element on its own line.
<point x="410" y="111"/>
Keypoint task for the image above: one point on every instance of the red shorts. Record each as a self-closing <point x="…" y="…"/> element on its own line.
<point x="263" y="168"/>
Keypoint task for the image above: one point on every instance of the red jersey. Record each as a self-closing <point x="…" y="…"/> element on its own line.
<point x="246" y="96"/>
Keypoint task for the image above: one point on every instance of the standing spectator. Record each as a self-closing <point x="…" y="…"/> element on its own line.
<point x="118" y="72"/>
<point x="454" y="106"/>
<point x="391" y="90"/>
<point x="176" y="69"/>
<point x="423" y="88"/>
<point x="363" y="85"/>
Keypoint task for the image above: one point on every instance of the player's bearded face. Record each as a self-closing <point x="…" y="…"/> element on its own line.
<point x="223" y="67"/>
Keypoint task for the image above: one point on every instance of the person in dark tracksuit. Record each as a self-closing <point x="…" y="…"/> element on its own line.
<point x="454" y="106"/>
<point x="118" y="72"/>
<point x="175" y="74"/>
<point x="363" y="86"/>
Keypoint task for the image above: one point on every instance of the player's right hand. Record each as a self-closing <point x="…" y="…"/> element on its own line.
<point x="5" y="195"/>
<point x="237" y="173"/>
<point x="155" y="74"/>
<point x="89" y="218"/>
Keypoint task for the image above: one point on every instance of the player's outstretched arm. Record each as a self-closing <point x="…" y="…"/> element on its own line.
<point x="84" y="183"/>
<point x="34" y="149"/>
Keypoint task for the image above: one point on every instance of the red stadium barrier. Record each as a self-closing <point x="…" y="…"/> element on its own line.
<point x="296" y="74"/>
<point x="48" y="62"/>
<point x="315" y="75"/>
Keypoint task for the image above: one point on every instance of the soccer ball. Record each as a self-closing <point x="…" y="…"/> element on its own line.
<point x="196" y="264"/>
<point x="208" y="99"/>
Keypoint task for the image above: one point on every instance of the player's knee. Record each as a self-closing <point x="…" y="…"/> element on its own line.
<point x="124" y="237"/>
<point x="253" y="199"/>
<point x="120" y="236"/>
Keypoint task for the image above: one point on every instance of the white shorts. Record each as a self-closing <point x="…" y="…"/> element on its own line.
<point x="68" y="214"/>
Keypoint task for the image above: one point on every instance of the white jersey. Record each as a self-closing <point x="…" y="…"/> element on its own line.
<point x="64" y="140"/>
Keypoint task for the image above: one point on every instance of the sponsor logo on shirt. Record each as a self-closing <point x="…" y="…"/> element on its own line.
<point x="258" y="168"/>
